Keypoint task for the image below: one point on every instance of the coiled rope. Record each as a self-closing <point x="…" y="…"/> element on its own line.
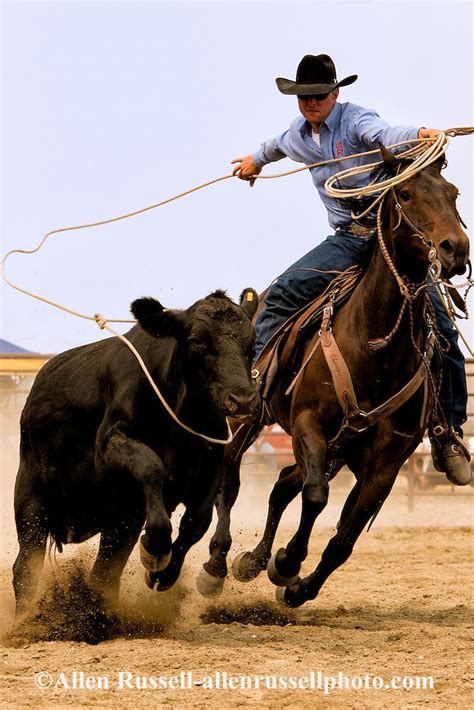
<point x="426" y="155"/>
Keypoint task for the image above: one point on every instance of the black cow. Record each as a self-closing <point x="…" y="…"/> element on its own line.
<point x="100" y="454"/>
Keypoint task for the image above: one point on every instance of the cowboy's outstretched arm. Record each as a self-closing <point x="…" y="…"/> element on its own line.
<point x="271" y="150"/>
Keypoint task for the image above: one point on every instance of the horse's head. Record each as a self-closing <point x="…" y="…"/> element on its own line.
<point x="427" y="215"/>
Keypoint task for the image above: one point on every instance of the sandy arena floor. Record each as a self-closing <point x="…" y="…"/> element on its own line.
<point x="401" y="606"/>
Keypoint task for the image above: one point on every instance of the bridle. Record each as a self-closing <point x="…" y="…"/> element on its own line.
<point x="434" y="263"/>
<point x="408" y="290"/>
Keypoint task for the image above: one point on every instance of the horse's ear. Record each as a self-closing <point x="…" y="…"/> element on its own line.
<point x="441" y="162"/>
<point x="390" y="160"/>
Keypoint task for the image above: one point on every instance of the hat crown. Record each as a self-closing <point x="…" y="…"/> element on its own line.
<point x="316" y="69"/>
<point x="316" y="74"/>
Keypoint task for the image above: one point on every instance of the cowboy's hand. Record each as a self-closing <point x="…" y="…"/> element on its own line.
<point x="245" y="168"/>
<point x="428" y="133"/>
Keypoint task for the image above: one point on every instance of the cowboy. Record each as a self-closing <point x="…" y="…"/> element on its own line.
<point x="327" y="129"/>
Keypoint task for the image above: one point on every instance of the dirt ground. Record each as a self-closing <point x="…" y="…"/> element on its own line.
<point x="401" y="606"/>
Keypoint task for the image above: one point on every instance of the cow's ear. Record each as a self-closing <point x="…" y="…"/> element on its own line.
<point x="249" y="301"/>
<point x="155" y="319"/>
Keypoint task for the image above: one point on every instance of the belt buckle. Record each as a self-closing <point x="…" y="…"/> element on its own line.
<point x="359" y="231"/>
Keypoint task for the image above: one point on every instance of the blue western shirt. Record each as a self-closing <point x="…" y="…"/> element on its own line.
<point x="348" y="129"/>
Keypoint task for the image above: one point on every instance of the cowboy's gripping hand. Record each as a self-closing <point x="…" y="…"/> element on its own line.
<point x="429" y="133"/>
<point x="245" y="168"/>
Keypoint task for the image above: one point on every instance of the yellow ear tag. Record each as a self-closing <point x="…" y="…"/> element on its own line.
<point x="249" y="296"/>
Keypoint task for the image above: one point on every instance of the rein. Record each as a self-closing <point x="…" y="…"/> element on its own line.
<point x="356" y="420"/>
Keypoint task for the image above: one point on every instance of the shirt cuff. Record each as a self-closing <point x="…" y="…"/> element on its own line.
<point x="258" y="159"/>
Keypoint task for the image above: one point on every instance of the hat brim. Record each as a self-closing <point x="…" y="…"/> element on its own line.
<point x="292" y="88"/>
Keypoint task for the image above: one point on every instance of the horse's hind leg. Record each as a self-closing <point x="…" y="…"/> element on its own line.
<point x="310" y="450"/>
<point x="248" y="565"/>
<point x="32" y="536"/>
<point x="364" y="501"/>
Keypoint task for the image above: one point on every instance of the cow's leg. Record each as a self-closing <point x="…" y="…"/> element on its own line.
<point x="194" y="523"/>
<point x="221" y="541"/>
<point x="310" y="451"/>
<point x="248" y="565"/>
<point x="213" y="573"/>
<point x="365" y="499"/>
<point x="32" y="536"/>
<point x="120" y="451"/>
<point x="116" y="545"/>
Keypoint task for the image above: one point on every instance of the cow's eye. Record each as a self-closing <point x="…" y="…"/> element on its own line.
<point x="404" y="195"/>
<point x="197" y="344"/>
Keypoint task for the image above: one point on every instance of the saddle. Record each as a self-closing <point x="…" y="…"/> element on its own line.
<point x="280" y="356"/>
<point x="282" y="353"/>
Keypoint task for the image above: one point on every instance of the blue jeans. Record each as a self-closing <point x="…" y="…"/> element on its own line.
<point x="309" y="276"/>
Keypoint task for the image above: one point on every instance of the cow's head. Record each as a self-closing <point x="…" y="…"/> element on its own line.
<point x="216" y="345"/>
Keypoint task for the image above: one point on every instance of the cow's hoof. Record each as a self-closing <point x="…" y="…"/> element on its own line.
<point x="244" y="568"/>
<point x="150" y="580"/>
<point x="274" y="575"/>
<point x="153" y="563"/>
<point x="209" y="586"/>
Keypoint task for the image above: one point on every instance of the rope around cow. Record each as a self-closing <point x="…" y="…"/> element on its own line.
<point x="422" y="155"/>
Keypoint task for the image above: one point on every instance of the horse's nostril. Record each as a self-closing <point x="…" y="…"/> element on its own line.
<point x="447" y="247"/>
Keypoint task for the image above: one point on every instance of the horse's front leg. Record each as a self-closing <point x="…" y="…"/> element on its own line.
<point x="310" y="446"/>
<point x="248" y="565"/>
<point x="364" y="501"/>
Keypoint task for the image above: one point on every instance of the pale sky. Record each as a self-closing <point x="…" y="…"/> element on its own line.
<point x="108" y="107"/>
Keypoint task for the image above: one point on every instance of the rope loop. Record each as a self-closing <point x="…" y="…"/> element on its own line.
<point x="421" y="153"/>
<point x="100" y="320"/>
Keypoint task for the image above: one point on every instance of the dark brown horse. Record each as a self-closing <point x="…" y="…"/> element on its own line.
<point x="390" y="299"/>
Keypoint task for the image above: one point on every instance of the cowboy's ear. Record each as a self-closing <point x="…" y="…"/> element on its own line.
<point x="155" y="319"/>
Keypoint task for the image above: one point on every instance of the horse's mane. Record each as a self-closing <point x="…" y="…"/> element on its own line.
<point x="381" y="172"/>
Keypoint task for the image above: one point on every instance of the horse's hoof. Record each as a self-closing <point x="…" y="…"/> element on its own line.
<point x="242" y="568"/>
<point x="209" y="586"/>
<point x="153" y="563"/>
<point x="275" y="577"/>
<point x="282" y="598"/>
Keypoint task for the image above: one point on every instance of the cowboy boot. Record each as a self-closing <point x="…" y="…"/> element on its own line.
<point x="450" y="454"/>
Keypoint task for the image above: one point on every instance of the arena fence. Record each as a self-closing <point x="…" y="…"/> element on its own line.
<point x="271" y="451"/>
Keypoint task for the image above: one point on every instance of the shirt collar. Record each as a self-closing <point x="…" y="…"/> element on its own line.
<point x="331" y="121"/>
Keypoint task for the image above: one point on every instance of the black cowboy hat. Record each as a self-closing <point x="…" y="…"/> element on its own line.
<point x="315" y="75"/>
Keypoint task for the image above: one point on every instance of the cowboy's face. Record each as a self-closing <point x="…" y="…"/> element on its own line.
<point x="316" y="108"/>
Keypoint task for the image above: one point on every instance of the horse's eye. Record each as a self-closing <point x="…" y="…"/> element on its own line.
<point x="404" y="195"/>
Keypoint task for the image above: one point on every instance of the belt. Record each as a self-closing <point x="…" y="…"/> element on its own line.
<point x="357" y="230"/>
